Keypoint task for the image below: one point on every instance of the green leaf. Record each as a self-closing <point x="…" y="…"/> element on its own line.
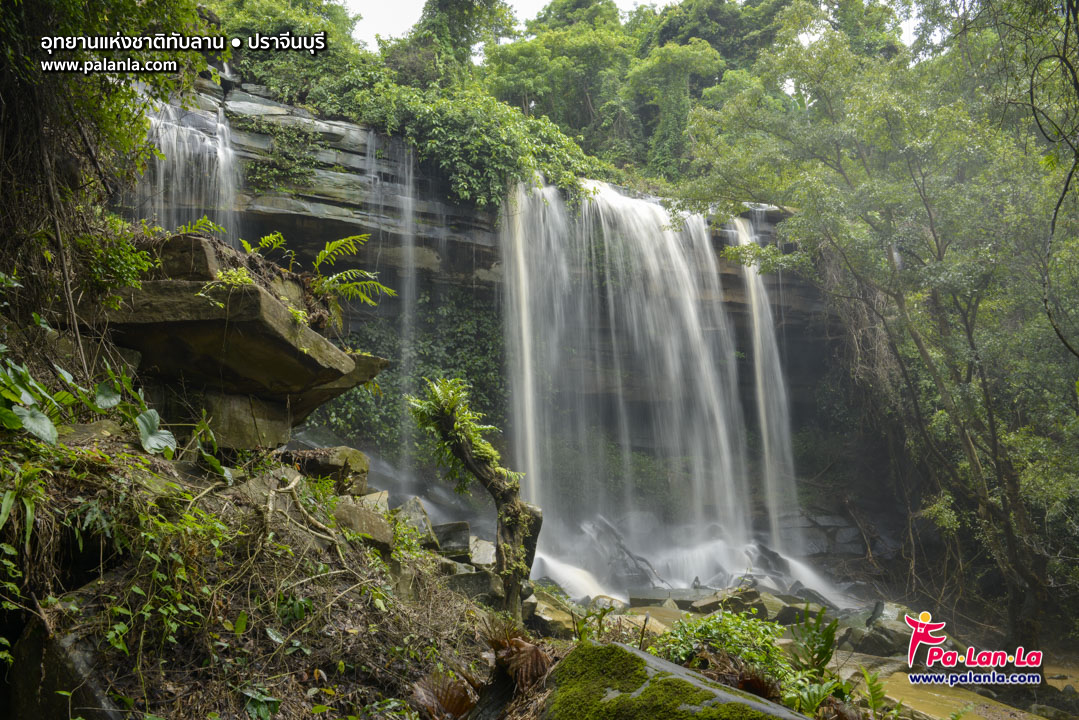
<point x="153" y="439"/>
<point x="9" y="419"/>
<point x="105" y="396"/>
<point x="5" y="506"/>
<point x="28" y="503"/>
<point x="274" y="635"/>
<point x="241" y="623"/>
<point x="36" y="423"/>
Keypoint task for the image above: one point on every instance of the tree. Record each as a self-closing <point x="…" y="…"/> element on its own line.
<point x="70" y="139"/>
<point x="664" y="79"/>
<point x="444" y="412"/>
<point x="444" y="38"/>
<point x="918" y="206"/>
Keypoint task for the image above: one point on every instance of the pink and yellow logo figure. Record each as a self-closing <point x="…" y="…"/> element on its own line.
<point x="922" y="633"/>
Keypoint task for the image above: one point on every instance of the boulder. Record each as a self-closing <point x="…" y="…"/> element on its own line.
<point x="414" y="514"/>
<point x="884" y="639"/>
<point x="453" y="540"/>
<point x="795" y="611"/>
<point x="245" y="421"/>
<point x="238" y="352"/>
<point x="683" y="598"/>
<point x="743" y="601"/>
<point x="45" y="665"/>
<point x="346" y="466"/>
<point x="550" y="620"/>
<point x="481" y="585"/>
<point x="606" y="601"/>
<point x="772" y="605"/>
<point x="358" y="519"/>
<point x="528" y="607"/>
<point x="451" y="567"/>
<point x="481" y="552"/>
<point x="377" y="501"/>
<point x="618" y="681"/>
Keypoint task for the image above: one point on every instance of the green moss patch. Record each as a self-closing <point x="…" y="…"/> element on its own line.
<point x="608" y="682"/>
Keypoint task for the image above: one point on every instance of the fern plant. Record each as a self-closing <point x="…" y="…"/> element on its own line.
<point x="814" y="643"/>
<point x="353" y="284"/>
<point x="874" y="692"/>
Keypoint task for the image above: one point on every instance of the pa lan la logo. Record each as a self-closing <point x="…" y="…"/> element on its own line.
<point x="922" y="629"/>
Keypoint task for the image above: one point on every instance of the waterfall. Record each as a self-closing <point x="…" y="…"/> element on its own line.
<point x="773" y="411"/>
<point x="623" y="376"/>
<point x="408" y="305"/>
<point x="195" y="174"/>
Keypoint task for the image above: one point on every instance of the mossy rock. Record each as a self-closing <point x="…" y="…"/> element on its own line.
<point x="617" y="682"/>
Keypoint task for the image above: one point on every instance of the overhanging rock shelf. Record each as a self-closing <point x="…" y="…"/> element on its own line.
<point x="237" y="352"/>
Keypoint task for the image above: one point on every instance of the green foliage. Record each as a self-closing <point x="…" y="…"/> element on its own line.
<point x="814" y="643"/>
<point x="479" y="144"/>
<point x="111" y="259"/>
<point x="916" y="191"/>
<point x="876" y="698"/>
<point x="291" y="162"/>
<point x="458" y="333"/>
<point x="752" y="640"/>
<point x="805" y="696"/>
<point x="352" y="285"/>
<point x="448" y="398"/>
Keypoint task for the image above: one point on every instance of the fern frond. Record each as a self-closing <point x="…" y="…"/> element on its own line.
<point x="336" y="249"/>
<point x="273" y="241"/>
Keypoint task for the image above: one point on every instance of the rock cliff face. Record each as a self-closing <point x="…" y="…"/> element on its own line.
<point x="362" y="182"/>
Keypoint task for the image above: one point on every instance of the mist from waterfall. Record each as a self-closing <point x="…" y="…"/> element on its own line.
<point x="195" y="173"/>
<point x="624" y="386"/>
<point x="773" y="407"/>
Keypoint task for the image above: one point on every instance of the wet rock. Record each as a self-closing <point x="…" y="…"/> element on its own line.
<point x="795" y="613"/>
<point x="772" y="605"/>
<point x="453" y="540"/>
<point x="414" y="514"/>
<point x="618" y="681"/>
<point x="480" y="585"/>
<point x="372" y="525"/>
<point x="814" y="597"/>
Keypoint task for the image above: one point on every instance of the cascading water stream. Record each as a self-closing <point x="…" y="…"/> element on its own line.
<point x="623" y="375"/>
<point x="408" y="304"/>
<point x="195" y="175"/>
<point x="773" y="408"/>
